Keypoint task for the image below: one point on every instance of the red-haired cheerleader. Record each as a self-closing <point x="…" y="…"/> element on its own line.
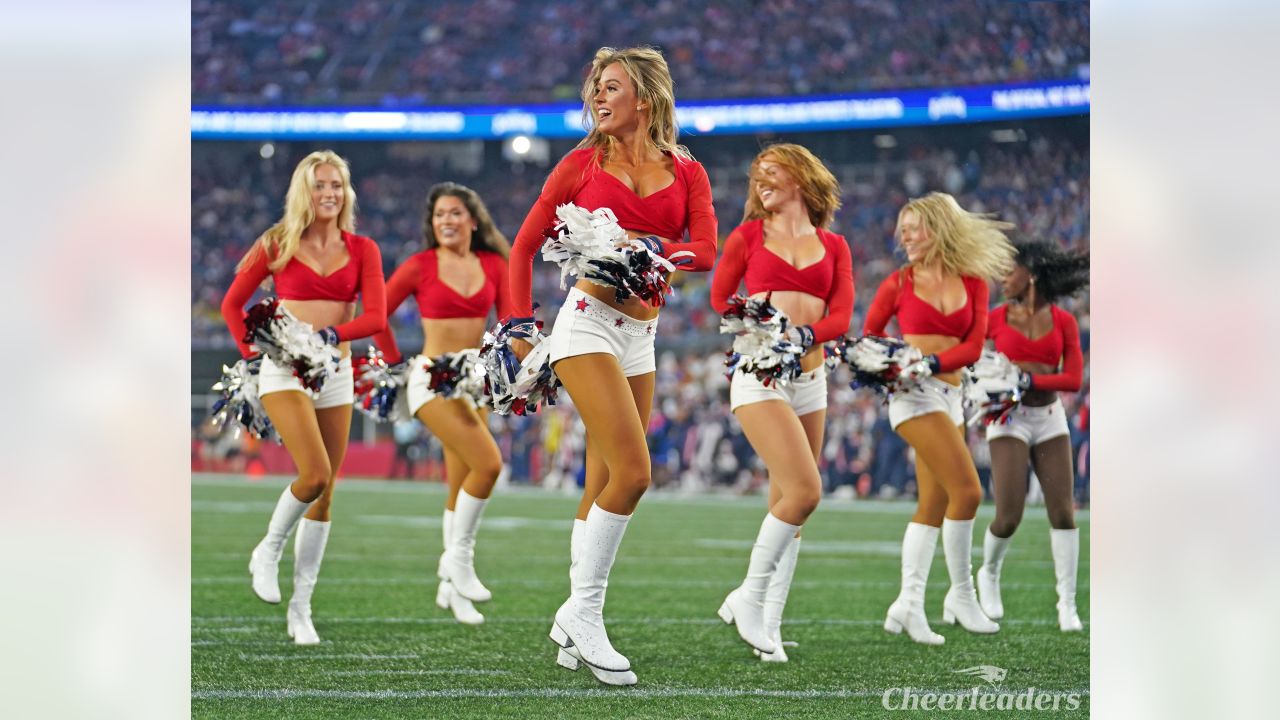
<point x="785" y="253"/>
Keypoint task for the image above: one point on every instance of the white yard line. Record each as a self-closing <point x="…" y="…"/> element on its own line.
<point x="551" y="693"/>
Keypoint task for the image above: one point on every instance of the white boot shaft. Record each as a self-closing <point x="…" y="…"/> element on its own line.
<point x="264" y="561"/>
<point x="458" y="561"/>
<point x="919" y="543"/>
<point x="579" y="629"/>
<point x="961" y="603"/>
<point x="308" y="553"/>
<point x="1066" y="559"/>
<point x="993" y="552"/>
<point x="775" y="600"/>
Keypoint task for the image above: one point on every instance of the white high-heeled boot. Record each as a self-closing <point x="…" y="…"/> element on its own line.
<point x="308" y="552"/>
<point x="1066" y="559"/>
<point x="264" y="562"/>
<point x="744" y="607"/>
<point x="579" y="629"/>
<point x="458" y="562"/>
<point x="464" y="611"/>
<point x="961" y="603"/>
<point x="775" y="600"/>
<point x="993" y="550"/>
<point x="907" y="612"/>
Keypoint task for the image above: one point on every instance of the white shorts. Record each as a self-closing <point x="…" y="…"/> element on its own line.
<point x="933" y="395"/>
<point x="585" y="325"/>
<point x="419" y="391"/>
<point x="1032" y="425"/>
<point x="339" y="387"/>
<point x="805" y="394"/>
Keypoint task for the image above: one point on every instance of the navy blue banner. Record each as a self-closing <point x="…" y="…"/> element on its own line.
<point x="708" y="117"/>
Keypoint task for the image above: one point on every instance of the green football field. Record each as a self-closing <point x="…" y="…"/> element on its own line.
<point x="388" y="651"/>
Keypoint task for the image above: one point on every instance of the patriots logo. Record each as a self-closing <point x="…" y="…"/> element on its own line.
<point x="988" y="673"/>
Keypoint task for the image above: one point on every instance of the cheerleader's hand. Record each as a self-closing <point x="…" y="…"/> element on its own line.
<point x="521" y="348"/>
<point x="801" y="336"/>
<point x="915" y="372"/>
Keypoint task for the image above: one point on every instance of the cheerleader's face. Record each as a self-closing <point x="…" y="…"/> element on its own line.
<point x="914" y="236"/>
<point x="452" y="223"/>
<point x="1017" y="283"/>
<point x="775" y="185"/>
<point x="616" y="107"/>
<point x="327" y="193"/>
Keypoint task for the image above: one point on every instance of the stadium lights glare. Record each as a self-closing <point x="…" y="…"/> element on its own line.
<point x="520" y="145"/>
<point x="1008" y="135"/>
<point x="267" y="151"/>
<point x="884" y="142"/>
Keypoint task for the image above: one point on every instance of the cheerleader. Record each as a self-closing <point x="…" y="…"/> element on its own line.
<point x="456" y="280"/>
<point x="318" y="266"/>
<point x="784" y="252"/>
<point x="1043" y="340"/>
<point x="940" y="300"/>
<point x="602" y="348"/>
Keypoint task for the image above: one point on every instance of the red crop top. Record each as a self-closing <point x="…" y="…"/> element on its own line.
<point x="419" y="276"/>
<point x="1060" y="347"/>
<point x="296" y="281"/>
<point x="831" y="278"/>
<point x="896" y="296"/>
<point x="578" y="178"/>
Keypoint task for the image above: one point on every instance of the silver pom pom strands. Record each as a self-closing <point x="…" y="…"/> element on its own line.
<point x="512" y="386"/>
<point x="590" y="245"/>
<point x="876" y="362"/>
<point x="760" y="347"/>
<point x="240" y="403"/>
<point x="380" y="389"/>
<point x="457" y="376"/>
<point x="995" y="388"/>
<point x="291" y="343"/>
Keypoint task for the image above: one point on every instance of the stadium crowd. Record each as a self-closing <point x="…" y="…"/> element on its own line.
<point x="1041" y="184"/>
<point x="399" y="53"/>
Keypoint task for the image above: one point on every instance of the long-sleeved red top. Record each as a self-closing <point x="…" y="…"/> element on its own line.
<point x="897" y="296"/>
<point x="1060" y="347"/>
<point x="745" y="258"/>
<point x="419" y="276"/>
<point x="578" y="178"/>
<point x="362" y="274"/>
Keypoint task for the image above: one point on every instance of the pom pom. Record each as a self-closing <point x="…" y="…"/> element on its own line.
<point x="512" y="386"/>
<point x="761" y="347"/>
<point x="992" y="388"/>
<point x="592" y="246"/>
<point x="380" y="389"/>
<point x="876" y="362"/>
<point x="457" y="376"/>
<point x="291" y="343"/>
<point x="240" y="403"/>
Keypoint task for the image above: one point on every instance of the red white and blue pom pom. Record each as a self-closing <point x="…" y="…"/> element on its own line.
<point x="761" y="347"/>
<point x="380" y="389"/>
<point x="291" y="343"/>
<point x="876" y="362"/>
<point x="512" y="386"/>
<point x="993" y="388"/>
<point x="457" y="376"/>
<point x="240" y="404"/>
<point x="592" y="246"/>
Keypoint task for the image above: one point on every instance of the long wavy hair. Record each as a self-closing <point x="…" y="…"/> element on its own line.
<point x="485" y="238"/>
<point x="1058" y="273"/>
<point x="964" y="243"/>
<point x="818" y="187"/>
<point x="654" y="87"/>
<point x="280" y="242"/>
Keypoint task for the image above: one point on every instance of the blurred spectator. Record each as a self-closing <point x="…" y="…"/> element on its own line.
<point x="394" y="53"/>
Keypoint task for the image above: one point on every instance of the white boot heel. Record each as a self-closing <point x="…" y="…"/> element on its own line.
<point x="569" y="656"/>
<point x="903" y="616"/>
<point x="948" y="617"/>
<point x="892" y="626"/>
<point x="442" y="595"/>
<point x="565" y="660"/>
<point x="748" y="618"/>
<point x="725" y="613"/>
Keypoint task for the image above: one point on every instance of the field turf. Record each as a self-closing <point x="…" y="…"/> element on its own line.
<point x="389" y="652"/>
